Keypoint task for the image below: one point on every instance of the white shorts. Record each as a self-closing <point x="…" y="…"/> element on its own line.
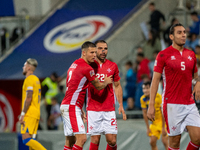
<point x="179" y="116"/>
<point x="72" y="121"/>
<point x="101" y="122"/>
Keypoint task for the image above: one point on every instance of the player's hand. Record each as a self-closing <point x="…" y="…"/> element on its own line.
<point x="21" y="120"/>
<point x="108" y="80"/>
<point x="151" y="113"/>
<point x="164" y="132"/>
<point x="83" y="116"/>
<point x="121" y="111"/>
<point x="148" y="131"/>
<point x="196" y="90"/>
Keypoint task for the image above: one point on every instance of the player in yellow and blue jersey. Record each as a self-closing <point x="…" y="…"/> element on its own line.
<point x="158" y="125"/>
<point x="30" y="115"/>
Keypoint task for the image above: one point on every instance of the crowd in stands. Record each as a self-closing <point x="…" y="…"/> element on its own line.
<point x="15" y="34"/>
<point x="142" y="69"/>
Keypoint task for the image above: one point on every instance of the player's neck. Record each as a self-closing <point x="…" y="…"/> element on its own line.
<point x="100" y="61"/>
<point x="29" y="73"/>
<point x="179" y="48"/>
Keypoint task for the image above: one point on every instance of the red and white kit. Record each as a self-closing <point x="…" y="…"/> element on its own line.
<point x="78" y="76"/>
<point x="101" y="117"/>
<point x="178" y="102"/>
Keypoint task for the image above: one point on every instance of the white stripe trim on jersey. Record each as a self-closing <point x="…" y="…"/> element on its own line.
<point x="164" y="88"/>
<point x="77" y="92"/>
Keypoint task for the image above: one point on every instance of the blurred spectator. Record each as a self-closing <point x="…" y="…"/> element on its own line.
<point x="60" y="94"/>
<point x="49" y="90"/>
<point x="192" y="41"/>
<point x="3" y="38"/>
<point x="143" y="67"/>
<point x="130" y="80"/>
<point x="197" y="50"/>
<point x="198" y="67"/>
<point x="139" y="50"/>
<point x="196" y="23"/>
<point x="131" y="107"/>
<point x="155" y="17"/>
<point x="139" y="91"/>
<point x="151" y="45"/>
<point x="166" y="32"/>
<point x="55" y="116"/>
<point x="151" y="64"/>
<point x="17" y="32"/>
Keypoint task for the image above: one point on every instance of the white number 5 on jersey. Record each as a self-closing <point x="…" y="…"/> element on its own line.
<point x="182" y="65"/>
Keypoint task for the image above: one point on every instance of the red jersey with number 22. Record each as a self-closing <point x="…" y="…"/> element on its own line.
<point x="103" y="100"/>
<point x="178" y="69"/>
<point x="78" y="76"/>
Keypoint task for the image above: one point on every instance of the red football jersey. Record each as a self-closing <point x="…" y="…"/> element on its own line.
<point x="78" y="76"/>
<point x="178" y="69"/>
<point x="103" y="100"/>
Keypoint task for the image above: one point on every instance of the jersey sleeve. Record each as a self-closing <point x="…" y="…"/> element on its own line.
<point x="159" y="63"/>
<point x="29" y="84"/>
<point x="89" y="73"/>
<point x="143" y="104"/>
<point x="116" y="76"/>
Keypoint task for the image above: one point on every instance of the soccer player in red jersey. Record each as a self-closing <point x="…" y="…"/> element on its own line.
<point x="178" y="67"/>
<point x="79" y="75"/>
<point x="101" y="116"/>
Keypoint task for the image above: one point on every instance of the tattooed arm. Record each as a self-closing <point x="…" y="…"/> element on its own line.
<point x="27" y="103"/>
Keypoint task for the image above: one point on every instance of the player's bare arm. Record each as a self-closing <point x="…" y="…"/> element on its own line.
<point x="196" y="83"/>
<point x="153" y="92"/>
<point x="119" y="93"/>
<point x="101" y="85"/>
<point x="144" y="112"/>
<point x="27" y="103"/>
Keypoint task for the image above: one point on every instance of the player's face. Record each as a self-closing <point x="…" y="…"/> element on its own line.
<point x="146" y="90"/>
<point x="102" y="50"/>
<point x="91" y="54"/>
<point x="179" y="36"/>
<point x="25" y="68"/>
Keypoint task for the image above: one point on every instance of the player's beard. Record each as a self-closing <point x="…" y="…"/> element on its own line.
<point x="100" y="58"/>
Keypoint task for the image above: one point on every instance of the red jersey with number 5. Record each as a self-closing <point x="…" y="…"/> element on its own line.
<point x="103" y="100"/>
<point x="178" y="69"/>
<point x="78" y="76"/>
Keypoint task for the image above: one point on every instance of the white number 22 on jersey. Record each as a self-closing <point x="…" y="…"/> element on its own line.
<point x="100" y="76"/>
<point x="182" y="65"/>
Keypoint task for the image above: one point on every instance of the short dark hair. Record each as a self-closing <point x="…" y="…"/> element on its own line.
<point x="147" y="83"/>
<point x="54" y="74"/>
<point x="140" y="54"/>
<point x="194" y="13"/>
<point x="156" y="52"/>
<point x="99" y="41"/>
<point x="197" y="46"/>
<point x="171" y="31"/>
<point x="152" y="4"/>
<point x="87" y="44"/>
<point x="129" y="63"/>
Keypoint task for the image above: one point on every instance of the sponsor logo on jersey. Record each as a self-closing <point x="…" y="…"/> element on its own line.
<point x="173" y="58"/>
<point x="6" y="114"/>
<point x="71" y="35"/>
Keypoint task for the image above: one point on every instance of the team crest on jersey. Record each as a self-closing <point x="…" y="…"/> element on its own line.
<point x="91" y="73"/>
<point x="190" y="58"/>
<point x="109" y="70"/>
<point x="71" y="35"/>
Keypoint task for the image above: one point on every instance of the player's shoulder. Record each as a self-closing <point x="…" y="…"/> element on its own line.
<point x="32" y="79"/>
<point x="142" y="98"/>
<point x="189" y="51"/>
